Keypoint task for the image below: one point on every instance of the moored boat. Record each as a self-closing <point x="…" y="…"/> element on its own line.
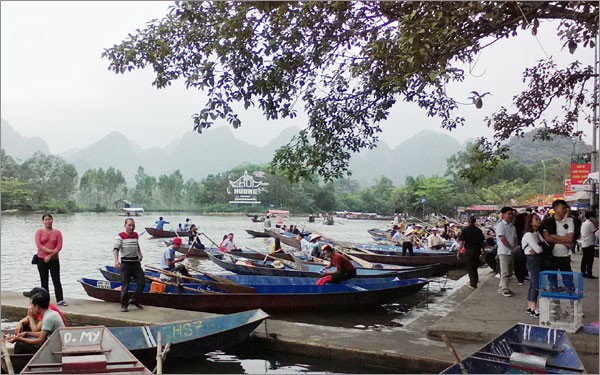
<point x="91" y="349"/>
<point x="255" y="233"/>
<point x="329" y="297"/>
<point x="246" y="266"/>
<point x="166" y="233"/>
<point x="523" y="348"/>
<point x="450" y="260"/>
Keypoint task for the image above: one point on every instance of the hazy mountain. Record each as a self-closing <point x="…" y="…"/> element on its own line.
<point x="217" y="150"/>
<point x="20" y="147"/>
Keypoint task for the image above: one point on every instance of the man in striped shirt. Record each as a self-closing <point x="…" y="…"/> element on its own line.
<point x="130" y="264"/>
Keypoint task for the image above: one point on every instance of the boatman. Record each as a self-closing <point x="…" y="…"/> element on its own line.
<point x="344" y="269"/>
<point x="130" y="264"/>
<point x="29" y="342"/>
<point x="160" y="223"/>
<point x="168" y="260"/>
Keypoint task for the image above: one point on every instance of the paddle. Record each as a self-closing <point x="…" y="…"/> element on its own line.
<point x="214" y="277"/>
<point x="362" y="262"/>
<point x="236" y="288"/>
<point x="453" y="352"/>
<point x="6" y="355"/>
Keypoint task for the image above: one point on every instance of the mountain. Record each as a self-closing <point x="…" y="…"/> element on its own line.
<point x="527" y="151"/>
<point x="20" y="147"/>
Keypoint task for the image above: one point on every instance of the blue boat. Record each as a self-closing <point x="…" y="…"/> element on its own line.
<point x="524" y="348"/>
<point x="242" y="266"/>
<point x="200" y="297"/>
<point x="112" y="273"/>
<point x="187" y="339"/>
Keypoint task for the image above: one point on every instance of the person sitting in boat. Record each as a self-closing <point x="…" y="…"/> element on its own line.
<point x="188" y="224"/>
<point x="435" y="241"/>
<point x="160" y="223"/>
<point x="304" y="245"/>
<point x="344" y="269"/>
<point x="267" y="222"/>
<point x="168" y="261"/>
<point x="315" y="246"/>
<point x="32" y="322"/>
<point x="180" y="228"/>
<point x="221" y="247"/>
<point x="29" y="342"/>
<point x="228" y="245"/>
<point x="194" y="238"/>
<point x="276" y="247"/>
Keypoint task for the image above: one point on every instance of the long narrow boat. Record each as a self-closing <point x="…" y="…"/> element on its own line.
<point x="248" y="267"/>
<point x="451" y="260"/>
<point x="78" y="350"/>
<point x="523" y="348"/>
<point x="165" y="233"/>
<point x="112" y="273"/>
<point x="255" y="233"/>
<point x="290" y="298"/>
<point x="189" y="339"/>
<point x="286" y="238"/>
<point x="185" y="249"/>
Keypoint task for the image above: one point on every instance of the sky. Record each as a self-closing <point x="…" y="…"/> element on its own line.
<point x="55" y="85"/>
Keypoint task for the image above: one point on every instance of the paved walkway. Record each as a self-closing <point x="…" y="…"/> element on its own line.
<point x="471" y="318"/>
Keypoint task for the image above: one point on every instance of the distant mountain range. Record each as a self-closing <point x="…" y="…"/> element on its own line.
<point x="217" y="150"/>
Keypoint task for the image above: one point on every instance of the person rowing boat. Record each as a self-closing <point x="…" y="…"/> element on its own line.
<point x="168" y="261"/>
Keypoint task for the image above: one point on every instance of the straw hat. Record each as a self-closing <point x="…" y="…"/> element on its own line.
<point x="277" y="264"/>
<point x="314" y="237"/>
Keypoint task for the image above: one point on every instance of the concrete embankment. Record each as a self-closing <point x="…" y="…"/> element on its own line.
<point x="471" y="318"/>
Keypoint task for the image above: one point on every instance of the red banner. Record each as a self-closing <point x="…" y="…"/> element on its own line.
<point x="579" y="172"/>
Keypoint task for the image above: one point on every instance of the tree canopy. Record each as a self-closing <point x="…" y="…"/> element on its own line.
<point x="348" y="63"/>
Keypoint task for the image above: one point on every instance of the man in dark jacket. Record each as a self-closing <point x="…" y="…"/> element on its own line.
<point x="473" y="240"/>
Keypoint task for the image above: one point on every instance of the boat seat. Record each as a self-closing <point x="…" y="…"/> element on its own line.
<point x="84" y="364"/>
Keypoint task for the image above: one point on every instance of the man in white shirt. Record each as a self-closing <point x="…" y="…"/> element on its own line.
<point x="559" y="231"/>
<point x="506" y="238"/>
<point x="435" y="241"/>
<point x="589" y="230"/>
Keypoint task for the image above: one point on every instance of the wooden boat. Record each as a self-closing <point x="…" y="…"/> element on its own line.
<point x="185" y="249"/>
<point x="523" y="348"/>
<point x="257" y="220"/>
<point x="165" y="233"/>
<point x="192" y="338"/>
<point x="286" y="238"/>
<point x="254" y="233"/>
<point x="243" y="266"/>
<point x="291" y="298"/>
<point x="451" y="260"/>
<point x="188" y="339"/>
<point x="92" y="349"/>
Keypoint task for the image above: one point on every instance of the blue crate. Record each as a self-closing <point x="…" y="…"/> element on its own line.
<point x="558" y="284"/>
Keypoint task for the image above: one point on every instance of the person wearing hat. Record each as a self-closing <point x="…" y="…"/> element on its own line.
<point x="168" y="259"/>
<point x="435" y="241"/>
<point x="277" y="264"/>
<point x="315" y="246"/>
<point x="473" y="240"/>
<point x="344" y="269"/>
<point x="32" y="322"/>
<point x="130" y="264"/>
<point x="28" y="342"/>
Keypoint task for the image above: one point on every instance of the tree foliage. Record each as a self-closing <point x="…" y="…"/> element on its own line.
<point x="50" y="178"/>
<point x="348" y="63"/>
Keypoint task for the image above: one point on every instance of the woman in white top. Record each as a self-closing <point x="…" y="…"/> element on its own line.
<point x="531" y="245"/>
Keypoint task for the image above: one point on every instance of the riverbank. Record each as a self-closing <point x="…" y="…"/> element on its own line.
<point x="474" y="317"/>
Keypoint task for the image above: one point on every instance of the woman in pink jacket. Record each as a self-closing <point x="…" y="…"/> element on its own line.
<point x="49" y="243"/>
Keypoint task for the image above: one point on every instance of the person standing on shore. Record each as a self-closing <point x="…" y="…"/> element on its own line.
<point x="49" y="243"/>
<point x="532" y="247"/>
<point x="589" y="229"/>
<point x="473" y="240"/>
<point x="507" y="247"/>
<point x="130" y="264"/>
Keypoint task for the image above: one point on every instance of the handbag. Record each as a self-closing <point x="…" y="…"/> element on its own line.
<point x="34" y="260"/>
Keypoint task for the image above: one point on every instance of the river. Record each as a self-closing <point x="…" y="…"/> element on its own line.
<point x="88" y="240"/>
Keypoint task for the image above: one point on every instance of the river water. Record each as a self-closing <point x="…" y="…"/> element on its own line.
<point x="88" y="240"/>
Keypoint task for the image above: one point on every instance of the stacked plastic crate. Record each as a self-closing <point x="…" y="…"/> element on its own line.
<point x="561" y="300"/>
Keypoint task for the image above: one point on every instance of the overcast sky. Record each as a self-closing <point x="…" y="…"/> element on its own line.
<point x="55" y="85"/>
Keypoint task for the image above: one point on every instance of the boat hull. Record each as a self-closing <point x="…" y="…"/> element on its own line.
<point x="165" y="233"/>
<point x="271" y="298"/>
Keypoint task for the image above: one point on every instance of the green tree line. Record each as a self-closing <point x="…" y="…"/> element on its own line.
<point x="47" y="182"/>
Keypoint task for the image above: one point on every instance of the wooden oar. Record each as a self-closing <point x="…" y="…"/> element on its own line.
<point x="235" y="288"/>
<point x="453" y="352"/>
<point x="7" y="360"/>
<point x="213" y="276"/>
<point x="363" y="263"/>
